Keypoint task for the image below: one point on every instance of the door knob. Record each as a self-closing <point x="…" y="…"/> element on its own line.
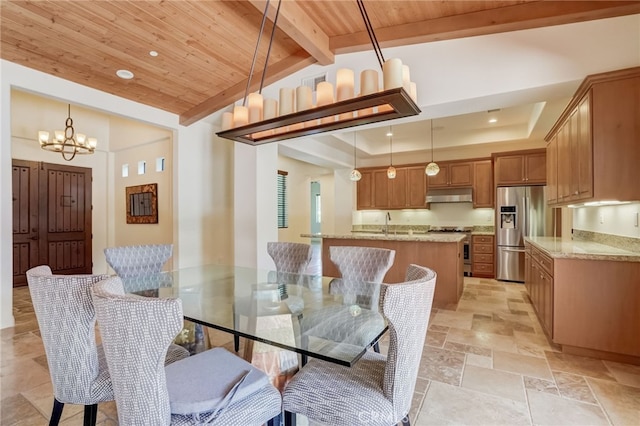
<point x="34" y="238"/>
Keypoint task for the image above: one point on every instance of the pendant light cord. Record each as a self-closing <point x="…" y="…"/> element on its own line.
<point x="372" y="34"/>
<point x="355" y="138"/>
<point x="255" y="54"/>
<point x="391" y="147"/>
<point x="431" y="121"/>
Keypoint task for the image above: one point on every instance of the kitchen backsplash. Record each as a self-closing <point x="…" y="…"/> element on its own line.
<point x="418" y="229"/>
<point x="625" y="243"/>
<point x="453" y="214"/>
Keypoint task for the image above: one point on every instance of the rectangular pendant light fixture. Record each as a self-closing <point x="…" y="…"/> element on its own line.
<point x="391" y="104"/>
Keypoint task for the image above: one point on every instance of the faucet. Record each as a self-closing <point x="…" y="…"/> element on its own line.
<point x="387" y="218"/>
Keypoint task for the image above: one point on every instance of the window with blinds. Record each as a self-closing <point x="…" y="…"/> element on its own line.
<point x="283" y="210"/>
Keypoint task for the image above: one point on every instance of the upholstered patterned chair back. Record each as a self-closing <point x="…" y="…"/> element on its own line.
<point x="360" y="266"/>
<point x="291" y="260"/>
<point x="136" y="333"/>
<point x="362" y="263"/>
<point x="131" y="261"/>
<point x="66" y="317"/>
<point x="407" y="307"/>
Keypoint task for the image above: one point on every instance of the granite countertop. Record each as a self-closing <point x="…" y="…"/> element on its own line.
<point x="483" y="233"/>
<point x="587" y="250"/>
<point x="452" y="237"/>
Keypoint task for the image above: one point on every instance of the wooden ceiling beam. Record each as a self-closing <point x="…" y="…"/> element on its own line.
<point x="302" y="29"/>
<point x="277" y="71"/>
<point x="509" y="18"/>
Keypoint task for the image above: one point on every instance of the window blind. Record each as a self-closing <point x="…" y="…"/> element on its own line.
<point x="283" y="209"/>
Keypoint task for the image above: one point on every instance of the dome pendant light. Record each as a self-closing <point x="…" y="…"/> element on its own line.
<point x="391" y="171"/>
<point x="355" y="173"/>
<point x="432" y="168"/>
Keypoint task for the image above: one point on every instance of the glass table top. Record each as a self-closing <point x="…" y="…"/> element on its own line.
<point x="330" y="319"/>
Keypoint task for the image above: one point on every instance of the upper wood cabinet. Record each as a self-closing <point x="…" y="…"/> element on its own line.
<point x="452" y="174"/>
<point x="407" y="190"/>
<point x="365" y="190"/>
<point x="518" y="168"/>
<point x="483" y="189"/>
<point x="596" y="141"/>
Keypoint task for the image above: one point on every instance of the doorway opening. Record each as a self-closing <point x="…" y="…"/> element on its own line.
<point x="316" y="210"/>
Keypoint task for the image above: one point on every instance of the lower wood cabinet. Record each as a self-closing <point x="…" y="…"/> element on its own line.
<point x="539" y="284"/>
<point x="482" y="256"/>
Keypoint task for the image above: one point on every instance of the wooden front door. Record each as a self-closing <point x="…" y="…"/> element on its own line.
<point x="51" y="218"/>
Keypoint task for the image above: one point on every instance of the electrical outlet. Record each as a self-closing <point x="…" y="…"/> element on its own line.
<point x="489" y="218"/>
<point x="636" y="220"/>
<point x="601" y="218"/>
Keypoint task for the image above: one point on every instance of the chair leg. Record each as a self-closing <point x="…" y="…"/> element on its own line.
<point x="376" y="347"/>
<point x="236" y="342"/>
<point x="90" y="414"/>
<point x="56" y="412"/>
<point x="289" y="418"/>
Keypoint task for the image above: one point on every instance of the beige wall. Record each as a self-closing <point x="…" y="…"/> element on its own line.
<point x="153" y="233"/>
<point x="30" y="113"/>
<point x="299" y="197"/>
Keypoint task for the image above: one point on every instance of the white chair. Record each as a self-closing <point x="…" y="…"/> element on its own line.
<point x="377" y="389"/>
<point x="212" y="387"/>
<point x="146" y="261"/>
<point x="66" y="317"/>
<point x="291" y="260"/>
<point x="361" y="269"/>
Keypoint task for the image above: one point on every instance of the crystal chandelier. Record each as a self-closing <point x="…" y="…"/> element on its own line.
<point x="66" y="141"/>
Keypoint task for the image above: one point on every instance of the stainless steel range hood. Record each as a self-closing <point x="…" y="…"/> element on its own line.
<point x="450" y="195"/>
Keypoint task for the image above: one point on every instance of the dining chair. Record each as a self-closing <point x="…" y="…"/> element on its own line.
<point x="212" y="387"/>
<point x="137" y="260"/>
<point x="291" y="260"/>
<point x="361" y="268"/>
<point x="378" y="389"/>
<point x="147" y="260"/>
<point x="66" y="317"/>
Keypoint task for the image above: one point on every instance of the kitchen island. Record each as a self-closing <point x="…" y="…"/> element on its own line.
<point x="586" y="295"/>
<point x="441" y="252"/>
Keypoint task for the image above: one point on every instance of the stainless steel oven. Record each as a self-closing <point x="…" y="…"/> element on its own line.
<point x="466" y="243"/>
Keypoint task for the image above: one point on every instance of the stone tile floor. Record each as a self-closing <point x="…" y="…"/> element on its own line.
<point x="485" y="362"/>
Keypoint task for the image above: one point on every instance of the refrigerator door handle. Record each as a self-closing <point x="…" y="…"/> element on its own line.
<point x="514" y="250"/>
<point x="527" y="231"/>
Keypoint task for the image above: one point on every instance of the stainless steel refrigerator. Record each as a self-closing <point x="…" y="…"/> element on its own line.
<point x="521" y="211"/>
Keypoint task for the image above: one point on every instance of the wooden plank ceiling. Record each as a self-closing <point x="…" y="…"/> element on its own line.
<point x="206" y="47"/>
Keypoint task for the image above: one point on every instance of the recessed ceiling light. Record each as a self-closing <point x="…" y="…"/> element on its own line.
<point x="493" y="120"/>
<point x="153" y="53"/>
<point x="389" y="133"/>
<point x="124" y="74"/>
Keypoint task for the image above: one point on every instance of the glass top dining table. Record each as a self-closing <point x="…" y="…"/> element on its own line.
<point x="316" y="316"/>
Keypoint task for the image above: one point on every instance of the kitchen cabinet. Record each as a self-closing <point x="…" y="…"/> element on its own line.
<point x="482" y="256"/>
<point x="595" y="139"/>
<point x="452" y="174"/>
<point x="587" y="302"/>
<point x="518" y="168"/>
<point x="552" y="170"/>
<point x="364" y="190"/>
<point x="483" y="190"/>
<point x="539" y="285"/>
<point x="376" y="191"/>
